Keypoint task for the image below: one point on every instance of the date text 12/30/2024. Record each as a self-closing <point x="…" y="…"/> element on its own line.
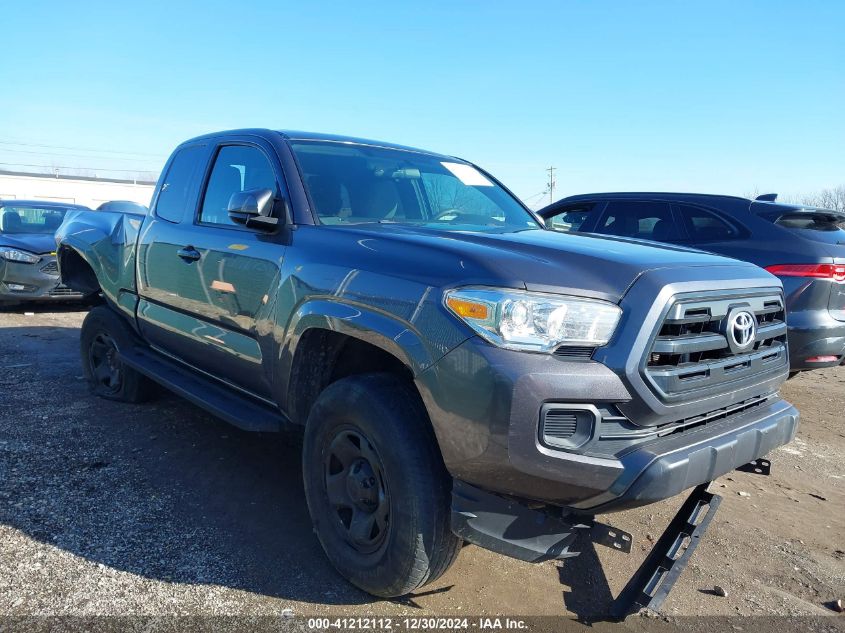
<point x="417" y="624"/>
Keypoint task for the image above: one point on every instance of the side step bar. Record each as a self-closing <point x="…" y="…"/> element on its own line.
<point x="232" y="406"/>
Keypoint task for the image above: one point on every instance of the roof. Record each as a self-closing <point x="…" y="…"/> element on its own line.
<point x="653" y="195"/>
<point x="675" y="196"/>
<point x="43" y="204"/>
<point x="296" y="135"/>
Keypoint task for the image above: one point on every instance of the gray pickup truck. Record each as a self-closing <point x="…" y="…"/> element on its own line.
<point x="458" y="372"/>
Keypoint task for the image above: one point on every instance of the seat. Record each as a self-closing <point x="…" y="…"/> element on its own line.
<point x="663" y="231"/>
<point x="621" y="226"/>
<point x="326" y="194"/>
<point x="52" y="222"/>
<point x="12" y="222"/>
<point x="384" y="202"/>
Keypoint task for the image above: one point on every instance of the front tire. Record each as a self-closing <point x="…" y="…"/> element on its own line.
<point x="377" y="491"/>
<point x="104" y="334"/>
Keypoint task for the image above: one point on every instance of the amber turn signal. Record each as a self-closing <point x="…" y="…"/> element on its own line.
<point x="468" y="309"/>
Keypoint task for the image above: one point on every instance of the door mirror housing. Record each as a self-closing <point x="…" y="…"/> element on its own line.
<point x="253" y="208"/>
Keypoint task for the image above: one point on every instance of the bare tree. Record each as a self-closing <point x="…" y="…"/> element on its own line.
<point x="827" y="199"/>
<point x="833" y="199"/>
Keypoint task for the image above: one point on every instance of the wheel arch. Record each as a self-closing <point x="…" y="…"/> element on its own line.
<point x="329" y="340"/>
<point x="76" y="271"/>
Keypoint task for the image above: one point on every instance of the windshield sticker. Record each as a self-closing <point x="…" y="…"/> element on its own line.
<point x="468" y="174"/>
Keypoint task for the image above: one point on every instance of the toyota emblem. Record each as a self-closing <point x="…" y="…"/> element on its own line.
<point x="742" y="330"/>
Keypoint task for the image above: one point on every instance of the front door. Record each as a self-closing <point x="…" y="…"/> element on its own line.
<point x="225" y="277"/>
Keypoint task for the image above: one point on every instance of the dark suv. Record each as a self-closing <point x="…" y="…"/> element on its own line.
<point x="803" y="246"/>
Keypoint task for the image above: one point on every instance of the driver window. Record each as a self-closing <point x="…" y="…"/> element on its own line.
<point x="641" y="219"/>
<point x="237" y="168"/>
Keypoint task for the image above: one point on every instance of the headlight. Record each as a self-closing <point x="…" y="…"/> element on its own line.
<point x="14" y="255"/>
<point x="534" y="322"/>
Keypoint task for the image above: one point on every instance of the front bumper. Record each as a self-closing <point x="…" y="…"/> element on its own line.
<point x="485" y="404"/>
<point x="672" y="464"/>
<point x="33" y="282"/>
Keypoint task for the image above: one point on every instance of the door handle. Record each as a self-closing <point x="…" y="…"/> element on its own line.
<point x="189" y="254"/>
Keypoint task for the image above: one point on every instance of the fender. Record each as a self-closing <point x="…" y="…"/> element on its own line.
<point x="106" y="242"/>
<point x="384" y="330"/>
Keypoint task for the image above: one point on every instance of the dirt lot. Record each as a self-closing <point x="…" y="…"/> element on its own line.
<point x="108" y="508"/>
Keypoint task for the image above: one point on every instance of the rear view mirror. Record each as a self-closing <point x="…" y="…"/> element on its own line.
<point x="253" y="208"/>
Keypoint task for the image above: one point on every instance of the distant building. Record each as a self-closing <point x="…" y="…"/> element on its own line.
<point x="90" y="191"/>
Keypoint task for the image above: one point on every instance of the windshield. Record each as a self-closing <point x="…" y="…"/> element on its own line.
<point x="353" y="184"/>
<point x="18" y="220"/>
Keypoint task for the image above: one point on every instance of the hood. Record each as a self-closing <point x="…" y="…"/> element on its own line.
<point x="39" y="243"/>
<point x="540" y="260"/>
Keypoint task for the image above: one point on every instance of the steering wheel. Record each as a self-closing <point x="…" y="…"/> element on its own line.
<point x="470" y="218"/>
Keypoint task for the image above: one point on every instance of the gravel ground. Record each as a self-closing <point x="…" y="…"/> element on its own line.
<point x="158" y="509"/>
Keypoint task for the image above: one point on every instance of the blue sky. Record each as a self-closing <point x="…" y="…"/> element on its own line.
<point x="717" y="96"/>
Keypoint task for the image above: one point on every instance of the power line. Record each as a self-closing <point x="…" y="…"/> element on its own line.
<point x="10" y="141"/>
<point x="536" y="195"/>
<point x="94" y="169"/>
<point x="84" y="156"/>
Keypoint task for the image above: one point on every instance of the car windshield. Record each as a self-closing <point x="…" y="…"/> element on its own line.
<point x="353" y="184"/>
<point x="39" y="220"/>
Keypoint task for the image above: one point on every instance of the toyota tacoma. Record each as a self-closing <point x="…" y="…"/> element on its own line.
<point x="458" y="372"/>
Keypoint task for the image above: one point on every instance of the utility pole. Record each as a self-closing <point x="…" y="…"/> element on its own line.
<point x="552" y="183"/>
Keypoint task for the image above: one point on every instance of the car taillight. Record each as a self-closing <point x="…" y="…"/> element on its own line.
<point x="835" y="272"/>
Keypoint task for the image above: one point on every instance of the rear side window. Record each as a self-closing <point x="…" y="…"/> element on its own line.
<point x="643" y="220"/>
<point x="181" y="184"/>
<point x="703" y="226"/>
<point x="237" y="168"/>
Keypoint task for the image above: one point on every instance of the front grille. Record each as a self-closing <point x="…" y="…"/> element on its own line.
<point x="64" y="291"/>
<point x="698" y="344"/>
<point x="617" y="433"/>
<point x="575" y="352"/>
<point x="52" y="268"/>
<point x="560" y="423"/>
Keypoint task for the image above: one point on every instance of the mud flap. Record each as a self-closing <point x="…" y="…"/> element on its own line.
<point x="509" y="527"/>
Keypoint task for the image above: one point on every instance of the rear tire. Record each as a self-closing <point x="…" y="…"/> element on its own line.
<point x="377" y="490"/>
<point x="792" y="374"/>
<point x="104" y="334"/>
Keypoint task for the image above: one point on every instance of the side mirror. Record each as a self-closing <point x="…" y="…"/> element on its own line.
<point x="253" y="208"/>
